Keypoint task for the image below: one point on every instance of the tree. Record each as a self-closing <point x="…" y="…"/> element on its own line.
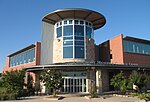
<point x="30" y="85"/>
<point x="14" y="80"/>
<point x="52" y="80"/>
<point x="13" y="83"/>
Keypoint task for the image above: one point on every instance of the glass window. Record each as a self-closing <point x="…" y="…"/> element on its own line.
<point x="11" y="62"/>
<point x="90" y="24"/>
<point x="60" y="23"/>
<point x="86" y="23"/>
<point x="78" y="30"/>
<point x="68" y="30"/>
<point x="24" y="57"/>
<point x="79" y="43"/>
<point x="68" y="52"/>
<point x="76" y="21"/>
<point x="135" y="47"/>
<point x="30" y="56"/>
<point x="59" y="32"/>
<point x="33" y="54"/>
<point x="81" y="22"/>
<point x="88" y="32"/>
<point x="79" y="38"/>
<point x="74" y="40"/>
<point x="79" y="52"/>
<point x="14" y="60"/>
<point x="70" y="21"/>
<point x="21" y="60"/>
<point x="68" y="38"/>
<point x="65" y="22"/>
<point x="68" y="43"/>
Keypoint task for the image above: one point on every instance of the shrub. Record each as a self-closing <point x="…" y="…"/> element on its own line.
<point x="144" y="96"/>
<point x="94" y="93"/>
<point x="139" y="80"/>
<point x="119" y="81"/>
<point x="5" y="95"/>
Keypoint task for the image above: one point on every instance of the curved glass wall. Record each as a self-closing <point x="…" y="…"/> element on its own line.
<point x="74" y="33"/>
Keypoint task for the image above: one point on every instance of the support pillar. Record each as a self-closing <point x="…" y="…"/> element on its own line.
<point x="99" y="81"/>
<point x="91" y="78"/>
<point x="26" y="79"/>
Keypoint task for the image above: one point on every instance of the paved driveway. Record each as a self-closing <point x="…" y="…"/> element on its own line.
<point x="79" y="99"/>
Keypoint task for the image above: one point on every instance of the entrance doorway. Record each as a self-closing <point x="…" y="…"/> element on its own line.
<point x="74" y="84"/>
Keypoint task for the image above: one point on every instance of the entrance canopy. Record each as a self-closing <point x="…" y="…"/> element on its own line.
<point x="87" y="65"/>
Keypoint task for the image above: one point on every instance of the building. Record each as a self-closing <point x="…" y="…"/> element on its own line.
<point x="127" y="50"/>
<point x="68" y="45"/>
<point x="26" y="57"/>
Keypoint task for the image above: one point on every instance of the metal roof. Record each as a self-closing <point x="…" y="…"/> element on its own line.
<point x="137" y="40"/>
<point x="24" y="49"/>
<point x="77" y="66"/>
<point x="94" y="17"/>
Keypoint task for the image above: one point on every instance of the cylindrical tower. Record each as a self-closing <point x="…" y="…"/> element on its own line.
<point x="68" y="35"/>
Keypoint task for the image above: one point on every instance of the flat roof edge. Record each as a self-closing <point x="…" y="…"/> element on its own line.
<point x="21" y="50"/>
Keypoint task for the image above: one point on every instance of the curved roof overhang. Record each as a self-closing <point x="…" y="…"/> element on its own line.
<point x="85" y="66"/>
<point x="94" y="17"/>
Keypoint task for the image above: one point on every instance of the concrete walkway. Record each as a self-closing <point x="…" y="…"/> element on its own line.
<point x="80" y="99"/>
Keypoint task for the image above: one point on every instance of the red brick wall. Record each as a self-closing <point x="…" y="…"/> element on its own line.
<point x="19" y="67"/>
<point x="134" y="58"/>
<point x="37" y="52"/>
<point x="104" y="52"/>
<point x="116" y="48"/>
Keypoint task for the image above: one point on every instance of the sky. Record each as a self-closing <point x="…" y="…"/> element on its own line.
<point x="21" y="20"/>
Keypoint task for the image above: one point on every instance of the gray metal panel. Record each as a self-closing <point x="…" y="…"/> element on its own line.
<point x="47" y="43"/>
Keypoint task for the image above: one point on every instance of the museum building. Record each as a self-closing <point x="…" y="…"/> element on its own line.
<point x="68" y="46"/>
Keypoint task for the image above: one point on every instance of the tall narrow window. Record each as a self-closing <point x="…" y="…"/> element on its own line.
<point x="59" y="32"/>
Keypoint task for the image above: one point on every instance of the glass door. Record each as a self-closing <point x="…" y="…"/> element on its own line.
<point x="74" y="84"/>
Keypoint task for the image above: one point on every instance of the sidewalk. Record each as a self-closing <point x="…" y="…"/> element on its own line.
<point x="107" y="98"/>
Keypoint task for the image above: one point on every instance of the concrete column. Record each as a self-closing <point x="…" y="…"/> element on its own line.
<point x="99" y="81"/>
<point x="26" y="79"/>
<point x="91" y="78"/>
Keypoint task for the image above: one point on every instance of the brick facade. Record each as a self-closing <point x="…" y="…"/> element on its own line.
<point x="104" y="52"/>
<point x="116" y="49"/>
<point x="140" y="59"/>
<point x="38" y="53"/>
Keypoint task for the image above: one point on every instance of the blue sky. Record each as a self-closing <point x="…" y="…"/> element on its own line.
<point x="20" y="20"/>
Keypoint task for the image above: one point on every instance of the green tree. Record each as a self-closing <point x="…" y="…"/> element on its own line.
<point x="13" y="81"/>
<point x="30" y="87"/>
<point x="52" y="80"/>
